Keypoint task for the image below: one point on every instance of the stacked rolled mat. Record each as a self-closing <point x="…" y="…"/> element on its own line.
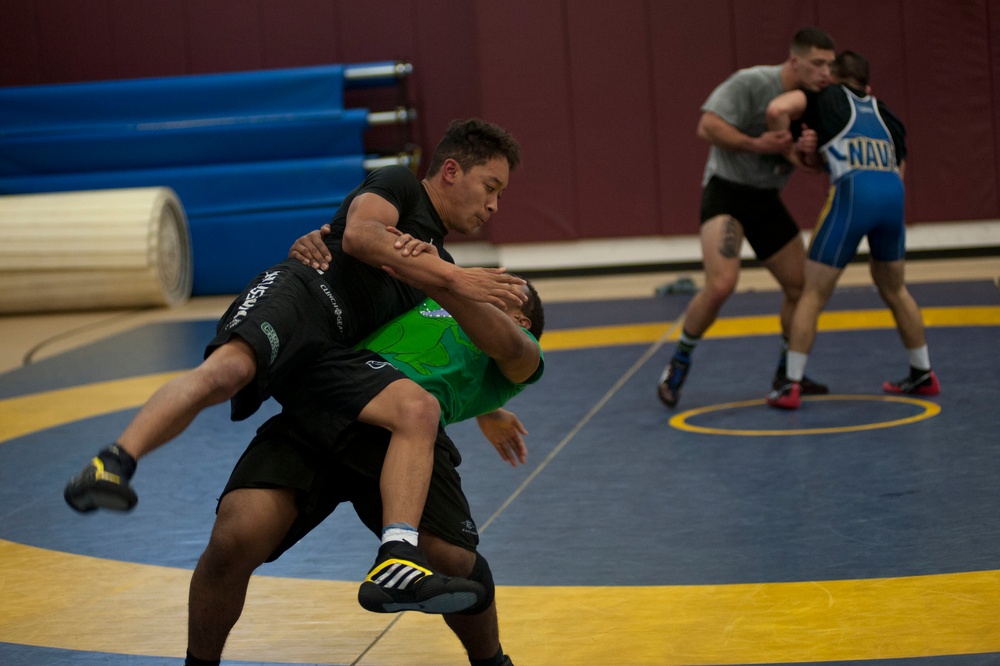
<point x="86" y="250"/>
<point x="256" y="159"/>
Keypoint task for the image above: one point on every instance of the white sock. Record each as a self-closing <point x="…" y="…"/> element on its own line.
<point x="796" y="366"/>
<point x="400" y="532"/>
<point x="920" y="358"/>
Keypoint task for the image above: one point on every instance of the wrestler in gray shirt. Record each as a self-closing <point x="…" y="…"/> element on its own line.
<point x="741" y="100"/>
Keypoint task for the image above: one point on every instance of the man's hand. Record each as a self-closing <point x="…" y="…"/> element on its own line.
<point x="504" y="431"/>
<point x="720" y="133"/>
<point x="489" y="285"/>
<point x="311" y="250"/>
<point x="409" y="246"/>
<point x="773" y="142"/>
<point x="804" y="152"/>
<point x="808" y="141"/>
<point x="484" y="285"/>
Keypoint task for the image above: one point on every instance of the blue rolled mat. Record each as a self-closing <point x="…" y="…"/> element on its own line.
<point x="228" y="251"/>
<point x="162" y="99"/>
<point x="108" y="147"/>
<point x="220" y="189"/>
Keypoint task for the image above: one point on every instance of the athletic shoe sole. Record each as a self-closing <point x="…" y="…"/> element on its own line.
<point x="920" y="390"/>
<point x="373" y="598"/>
<point x="807" y="386"/>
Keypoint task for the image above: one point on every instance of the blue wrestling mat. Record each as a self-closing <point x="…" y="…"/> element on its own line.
<point x="863" y="528"/>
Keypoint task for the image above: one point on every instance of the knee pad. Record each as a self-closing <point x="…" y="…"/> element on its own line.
<point x="482" y="574"/>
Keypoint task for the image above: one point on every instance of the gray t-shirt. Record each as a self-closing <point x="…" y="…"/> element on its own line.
<point x="741" y="100"/>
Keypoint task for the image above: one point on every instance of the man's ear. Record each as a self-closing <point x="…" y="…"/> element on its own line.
<point x="523" y="321"/>
<point x="450" y="170"/>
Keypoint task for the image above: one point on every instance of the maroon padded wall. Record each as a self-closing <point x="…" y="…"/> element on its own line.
<point x="604" y="97"/>
<point x="611" y="88"/>
<point x="952" y="118"/>
<point x="686" y="40"/>
<point x="993" y="23"/>
<point x="524" y="67"/>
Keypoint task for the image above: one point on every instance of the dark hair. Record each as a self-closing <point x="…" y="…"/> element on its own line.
<point x="533" y="309"/>
<point x="851" y="67"/>
<point x="474" y="142"/>
<point x="811" y="37"/>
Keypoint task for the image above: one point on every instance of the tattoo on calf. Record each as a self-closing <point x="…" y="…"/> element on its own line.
<point x="731" y="240"/>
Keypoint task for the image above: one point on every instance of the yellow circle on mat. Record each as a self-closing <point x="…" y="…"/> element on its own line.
<point x="680" y="421"/>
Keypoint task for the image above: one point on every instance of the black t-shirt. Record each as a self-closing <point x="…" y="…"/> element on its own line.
<point x="828" y="111"/>
<point x="370" y="296"/>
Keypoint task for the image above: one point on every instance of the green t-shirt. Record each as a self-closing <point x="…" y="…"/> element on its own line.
<point x="428" y="346"/>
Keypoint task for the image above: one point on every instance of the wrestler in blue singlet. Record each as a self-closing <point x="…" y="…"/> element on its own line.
<point x="866" y="193"/>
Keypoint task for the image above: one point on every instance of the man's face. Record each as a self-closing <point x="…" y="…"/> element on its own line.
<point x="475" y="195"/>
<point x="813" y="68"/>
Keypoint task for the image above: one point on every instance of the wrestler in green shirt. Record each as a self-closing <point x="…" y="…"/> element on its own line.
<point x="429" y="347"/>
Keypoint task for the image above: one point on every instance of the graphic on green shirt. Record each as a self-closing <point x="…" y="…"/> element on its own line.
<point x="425" y="345"/>
<point x="429" y="347"/>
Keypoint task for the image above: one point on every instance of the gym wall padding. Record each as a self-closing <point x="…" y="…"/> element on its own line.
<point x="88" y="250"/>
<point x="954" y="123"/>
<point x="542" y="202"/>
<point x="529" y="65"/>
<point x="589" y="173"/>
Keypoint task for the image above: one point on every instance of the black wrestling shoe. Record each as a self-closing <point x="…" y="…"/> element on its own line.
<point x="806" y="386"/>
<point x="103" y="483"/>
<point x="402" y="580"/>
<point x="672" y="379"/>
<point x="500" y="659"/>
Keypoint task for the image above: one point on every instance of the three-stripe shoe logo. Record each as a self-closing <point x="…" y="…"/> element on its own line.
<point x="397" y="574"/>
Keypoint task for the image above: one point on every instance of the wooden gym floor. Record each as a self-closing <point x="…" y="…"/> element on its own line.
<point x="861" y="529"/>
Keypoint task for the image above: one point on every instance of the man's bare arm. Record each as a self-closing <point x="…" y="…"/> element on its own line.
<point x="367" y="237"/>
<point x="785" y="108"/>
<point x="494" y="332"/>
<point x="718" y="132"/>
<point x="781" y="111"/>
<point x="370" y="236"/>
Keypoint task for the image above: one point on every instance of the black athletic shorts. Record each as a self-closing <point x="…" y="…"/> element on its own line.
<point x="279" y="457"/>
<point x="767" y="224"/>
<point x="295" y="324"/>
